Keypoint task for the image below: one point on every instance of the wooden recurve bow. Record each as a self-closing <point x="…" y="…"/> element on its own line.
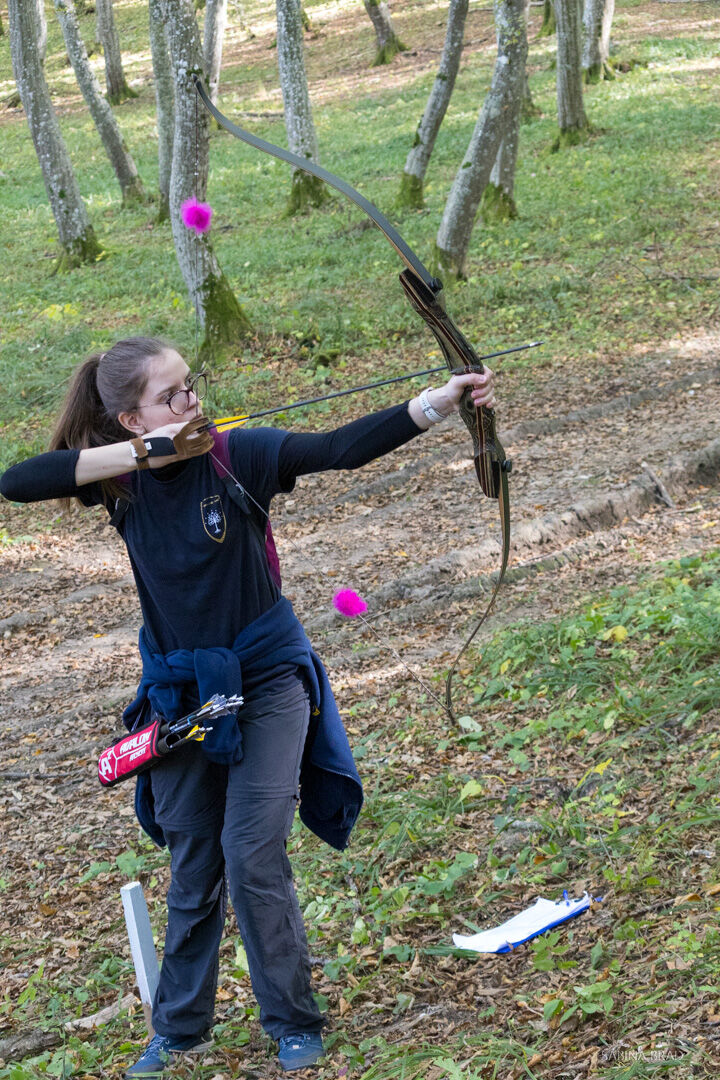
<point x="425" y="294"/>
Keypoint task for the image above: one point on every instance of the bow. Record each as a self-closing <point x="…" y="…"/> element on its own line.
<point x="425" y="294"/>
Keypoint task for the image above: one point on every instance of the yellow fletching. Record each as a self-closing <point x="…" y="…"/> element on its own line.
<point x="226" y="422"/>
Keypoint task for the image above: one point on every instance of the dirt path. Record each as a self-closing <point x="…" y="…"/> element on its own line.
<point x="409" y="532"/>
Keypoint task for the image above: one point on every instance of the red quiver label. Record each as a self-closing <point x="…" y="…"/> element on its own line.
<point x="131" y="754"/>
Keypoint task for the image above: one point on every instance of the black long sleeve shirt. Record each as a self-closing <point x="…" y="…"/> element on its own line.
<point x="201" y="573"/>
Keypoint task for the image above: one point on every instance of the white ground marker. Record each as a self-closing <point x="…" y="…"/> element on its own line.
<point x="142" y="946"/>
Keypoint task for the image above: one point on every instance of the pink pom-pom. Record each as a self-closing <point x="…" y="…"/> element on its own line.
<point x="196" y="215"/>
<point x="349" y="604"/>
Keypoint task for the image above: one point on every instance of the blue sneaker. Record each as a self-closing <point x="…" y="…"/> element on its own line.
<point x="162" y="1051"/>
<point x="299" y="1051"/>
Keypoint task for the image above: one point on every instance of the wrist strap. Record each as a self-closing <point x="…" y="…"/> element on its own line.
<point x="430" y="414"/>
<point x="143" y="449"/>
<point x="140" y="452"/>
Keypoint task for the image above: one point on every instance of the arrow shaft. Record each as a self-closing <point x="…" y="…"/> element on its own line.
<point x="367" y="386"/>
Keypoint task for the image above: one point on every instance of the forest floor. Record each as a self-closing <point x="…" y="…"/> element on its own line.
<point x="410" y="533"/>
<point x="600" y="773"/>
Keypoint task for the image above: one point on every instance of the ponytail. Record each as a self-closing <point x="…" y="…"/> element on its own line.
<point x="103" y="386"/>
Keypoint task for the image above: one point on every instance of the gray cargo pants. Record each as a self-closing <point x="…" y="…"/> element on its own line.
<point x="231" y="822"/>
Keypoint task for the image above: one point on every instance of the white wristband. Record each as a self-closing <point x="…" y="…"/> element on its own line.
<point x="430" y="414"/>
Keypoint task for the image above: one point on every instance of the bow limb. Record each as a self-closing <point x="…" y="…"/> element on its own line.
<point x="424" y="292"/>
<point x="504" y="509"/>
<point x="405" y="252"/>
<point x="423" y="289"/>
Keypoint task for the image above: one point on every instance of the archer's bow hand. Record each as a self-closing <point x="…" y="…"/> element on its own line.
<point x="447" y="399"/>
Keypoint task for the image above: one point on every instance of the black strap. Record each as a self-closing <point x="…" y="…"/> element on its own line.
<point x="121" y="506"/>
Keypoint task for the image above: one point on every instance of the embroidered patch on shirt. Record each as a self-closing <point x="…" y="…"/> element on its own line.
<point x="213" y="518"/>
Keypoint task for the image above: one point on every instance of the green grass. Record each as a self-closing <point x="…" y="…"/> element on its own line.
<point x="616" y="242"/>
<point x="596" y="768"/>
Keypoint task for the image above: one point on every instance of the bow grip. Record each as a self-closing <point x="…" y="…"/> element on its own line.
<point x="488" y="451"/>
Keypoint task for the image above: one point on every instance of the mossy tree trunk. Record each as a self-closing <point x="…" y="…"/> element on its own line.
<point x="416" y="163"/>
<point x="213" y="33"/>
<point x="164" y="103"/>
<point x="77" y="237"/>
<point x="572" y="120"/>
<point x="388" y="43"/>
<point x="528" y="108"/>
<point x="597" y="22"/>
<point x="306" y="190"/>
<point x="500" y="105"/>
<point x="120" y="157"/>
<point x="216" y="307"/>
<point x="498" y="202"/>
<point x="547" y="28"/>
<point x="117" y="87"/>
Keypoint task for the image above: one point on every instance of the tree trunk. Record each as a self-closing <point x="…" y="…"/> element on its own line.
<point x="605" y="31"/>
<point x="413" y="176"/>
<point x="388" y="43"/>
<point x="77" y="238"/>
<point x="306" y="189"/>
<point x="100" y="110"/>
<point x="547" y="28"/>
<point x="117" y="87"/>
<point x="571" y="112"/>
<point x="528" y="108"/>
<point x="499" y="108"/>
<point x="165" y="104"/>
<point x="216" y="307"/>
<point x="498" y="203"/>
<point x="215" y="20"/>
<point x="42" y="30"/>
<point x="597" y="21"/>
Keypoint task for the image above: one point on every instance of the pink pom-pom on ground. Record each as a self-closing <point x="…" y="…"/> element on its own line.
<point x="349" y="604"/>
<point x="196" y="215"/>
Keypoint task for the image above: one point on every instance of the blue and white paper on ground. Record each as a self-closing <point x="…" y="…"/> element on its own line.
<point x="541" y="916"/>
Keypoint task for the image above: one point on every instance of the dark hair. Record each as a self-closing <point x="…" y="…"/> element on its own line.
<point x="104" y="386"/>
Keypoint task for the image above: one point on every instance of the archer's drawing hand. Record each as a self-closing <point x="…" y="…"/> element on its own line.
<point x="193" y="439"/>
<point x="185" y="440"/>
<point x="446" y="399"/>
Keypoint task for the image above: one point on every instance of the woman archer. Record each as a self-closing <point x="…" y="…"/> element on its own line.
<point x="215" y="621"/>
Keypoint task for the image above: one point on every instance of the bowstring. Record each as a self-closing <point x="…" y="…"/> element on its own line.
<point x="448" y="703"/>
<point x="197" y="239"/>
<point x="317" y="569"/>
<point x="361" y="618"/>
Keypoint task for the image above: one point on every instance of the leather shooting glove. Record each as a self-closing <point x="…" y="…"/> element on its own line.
<point x="194" y="438"/>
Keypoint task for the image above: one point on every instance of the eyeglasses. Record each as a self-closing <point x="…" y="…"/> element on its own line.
<point x="179" y="401"/>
